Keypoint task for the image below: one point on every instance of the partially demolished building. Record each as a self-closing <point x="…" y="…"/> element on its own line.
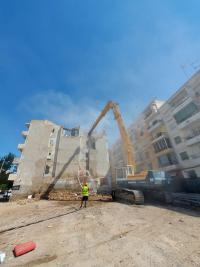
<point x="53" y="155"/>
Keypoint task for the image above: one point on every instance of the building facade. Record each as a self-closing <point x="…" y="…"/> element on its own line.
<point x="52" y="154"/>
<point x="166" y="135"/>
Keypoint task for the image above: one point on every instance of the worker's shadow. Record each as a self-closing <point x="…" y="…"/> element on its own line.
<point x="45" y="194"/>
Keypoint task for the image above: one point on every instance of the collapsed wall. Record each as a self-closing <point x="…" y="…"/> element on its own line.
<point x="52" y="155"/>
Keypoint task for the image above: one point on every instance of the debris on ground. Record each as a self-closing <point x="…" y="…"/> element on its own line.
<point x="73" y="196"/>
<point x="25" y="201"/>
<point x="103" y="234"/>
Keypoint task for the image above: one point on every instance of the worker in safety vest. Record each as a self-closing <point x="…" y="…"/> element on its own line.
<point x="85" y="194"/>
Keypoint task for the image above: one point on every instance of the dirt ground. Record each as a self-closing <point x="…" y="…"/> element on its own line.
<point x="104" y="234"/>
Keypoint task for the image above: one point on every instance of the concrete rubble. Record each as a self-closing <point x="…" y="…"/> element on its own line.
<point x="70" y="196"/>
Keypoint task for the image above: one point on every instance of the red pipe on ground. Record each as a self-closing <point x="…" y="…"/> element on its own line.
<point x="23" y="248"/>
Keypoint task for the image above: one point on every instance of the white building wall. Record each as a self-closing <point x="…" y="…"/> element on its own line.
<point x="52" y="157"/>
<point x="189" y="129"/>
<point x="33" y="156"/>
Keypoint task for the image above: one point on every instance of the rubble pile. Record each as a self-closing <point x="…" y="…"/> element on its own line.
<point x="64" y="195"/>
<point x="76" y="196"/>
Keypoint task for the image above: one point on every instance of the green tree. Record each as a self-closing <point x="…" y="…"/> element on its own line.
<point x="5" y="165"/>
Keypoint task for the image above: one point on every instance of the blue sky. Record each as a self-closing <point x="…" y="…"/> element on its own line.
<point x="63" y="60"/>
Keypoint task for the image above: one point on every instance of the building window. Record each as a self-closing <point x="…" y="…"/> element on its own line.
<point x="196" y="131"/>
<point x="185" y="113"/>
<point x="93" y="145"/>
<point x="47" y="169"/>
<point x="184" y="155"/>
<point x="162" y="144"/>
<point x="71" y="132"/>
<point x="168" y="159"/>
<point x="177" y="140"/>
<point x="154" y="122"/>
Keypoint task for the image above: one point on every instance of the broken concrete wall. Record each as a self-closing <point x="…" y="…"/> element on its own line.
<point x="98" y="156"/>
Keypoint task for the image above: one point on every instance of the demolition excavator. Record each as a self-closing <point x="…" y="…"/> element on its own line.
<point x="130" y="185"/>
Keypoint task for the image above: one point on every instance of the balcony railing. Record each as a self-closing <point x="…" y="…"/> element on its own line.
<point x="27" y="124"/>
<point x="21" y="147"/>
<point x="195" y="156"/>
<point x="24" y="134"/>
<point x="190" y="140"/>
<point x="155" y="125"/>
<point x="170" y="167"/>
<point x="184" y="102"/>
<point x="159" y="136"/>
<point x="190" y="120"/>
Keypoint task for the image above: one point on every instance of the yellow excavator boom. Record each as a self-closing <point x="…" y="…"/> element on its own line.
<point x="126" y="142"/>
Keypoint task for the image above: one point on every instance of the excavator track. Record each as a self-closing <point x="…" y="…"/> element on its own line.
<point x="128" y="195"/>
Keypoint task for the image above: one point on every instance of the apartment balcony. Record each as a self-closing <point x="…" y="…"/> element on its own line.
<point x="24" y="133"/>
<point x="164" y="151"/>
<point x="27" y="124"/>
<point x="21" y="147"/>
<point x="12" y="177"/>
<point x="191" y="140"/>
<point x="184" y="103"/>
<point x="172" y="167"/>
<point x="195" y="156"/>
<point x="162" y="135"/>
<point x="187" y="122"/>
<point x="155" y="126"/>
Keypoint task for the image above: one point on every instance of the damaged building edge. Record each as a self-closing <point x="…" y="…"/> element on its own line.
<point x="52" y="155"/>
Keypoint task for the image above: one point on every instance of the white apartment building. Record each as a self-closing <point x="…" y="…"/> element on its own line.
<point x="53" y="154"/>
<point x="181" y="115"/>
<point x="166" y="135"/>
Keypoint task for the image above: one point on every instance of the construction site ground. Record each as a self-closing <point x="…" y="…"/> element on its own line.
<point x="104" y="234"/>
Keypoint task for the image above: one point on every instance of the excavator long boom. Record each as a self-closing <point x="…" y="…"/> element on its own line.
<point x="126" y="142"/>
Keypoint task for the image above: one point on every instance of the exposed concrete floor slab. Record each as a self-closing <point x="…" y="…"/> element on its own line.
<point x="104" y="234"/>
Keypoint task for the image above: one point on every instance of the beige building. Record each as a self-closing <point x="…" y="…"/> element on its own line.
<point x="52" y="154"/>
<point x="166" y="135"/>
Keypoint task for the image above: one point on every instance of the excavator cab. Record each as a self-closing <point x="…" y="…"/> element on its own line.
<point x="124" y="173"/>
<point x="159" y="177"/>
